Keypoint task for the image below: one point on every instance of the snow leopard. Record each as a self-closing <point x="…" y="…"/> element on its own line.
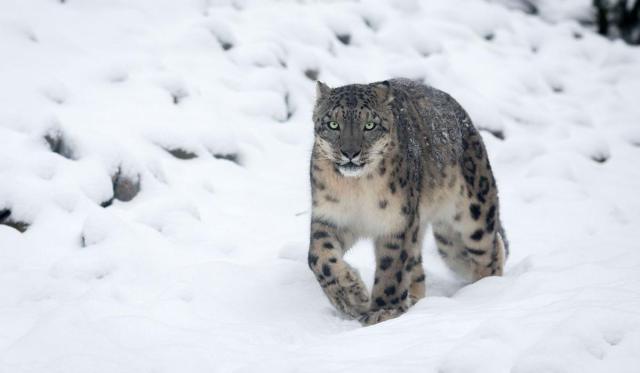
<point x="389" y="159"/>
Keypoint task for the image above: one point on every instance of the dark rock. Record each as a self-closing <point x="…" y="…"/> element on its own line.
<point x="600" y="158"/>
<point x="58" y="144"/>
<point x="312" y="74"/>
<point x="125" y="187"/>
<point x="181" y="153"/>
<point x="20" y="226"/>
<point x="233" y="157"/>
<point x="526" y="6"/>
<point x="225" y="44"/>
<point x="344" y="38"/>
<point x="107" y="203"/>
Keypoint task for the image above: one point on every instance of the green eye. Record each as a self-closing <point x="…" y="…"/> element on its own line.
<point x="369" y="125"/>
<point x="333" y="125"/>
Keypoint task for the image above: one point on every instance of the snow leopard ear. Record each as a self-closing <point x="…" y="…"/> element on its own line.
<point x="322" y="90"/>
<point x="383" y="92"/>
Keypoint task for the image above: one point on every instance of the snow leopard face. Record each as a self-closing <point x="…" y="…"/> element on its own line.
<point x="353" y="125"/>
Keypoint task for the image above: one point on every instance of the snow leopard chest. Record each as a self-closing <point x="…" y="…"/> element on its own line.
<point x="366" y="205"/>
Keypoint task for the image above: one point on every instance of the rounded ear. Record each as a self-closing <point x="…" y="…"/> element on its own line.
<point x="322" y="90"/>
<point x="383" y="92"/>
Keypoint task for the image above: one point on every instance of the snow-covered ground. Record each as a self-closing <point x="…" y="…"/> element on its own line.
<point x="204" y="270"/>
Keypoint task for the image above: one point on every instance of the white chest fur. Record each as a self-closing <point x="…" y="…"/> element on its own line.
<point x="365" y="206"/>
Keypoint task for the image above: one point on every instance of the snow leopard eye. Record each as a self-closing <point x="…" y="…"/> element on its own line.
<point x="369" y="125"/>
<point x="333" y="125"/>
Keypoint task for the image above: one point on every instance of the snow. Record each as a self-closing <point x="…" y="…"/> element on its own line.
<point x="205" y="268"/>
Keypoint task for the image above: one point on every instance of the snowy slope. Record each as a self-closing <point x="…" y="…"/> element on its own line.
<point x="204" y="270"/>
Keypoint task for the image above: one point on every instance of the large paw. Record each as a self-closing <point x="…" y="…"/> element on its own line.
<point x="380" y="315"/>
<point x="348" y="293"/>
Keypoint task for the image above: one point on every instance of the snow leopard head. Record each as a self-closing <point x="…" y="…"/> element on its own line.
<point x="353" y="125"/>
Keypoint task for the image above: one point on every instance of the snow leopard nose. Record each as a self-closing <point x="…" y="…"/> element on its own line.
<point x="350" y="153"/>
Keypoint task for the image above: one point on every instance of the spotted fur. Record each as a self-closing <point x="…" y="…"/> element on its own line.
<point x="389" y="158"/>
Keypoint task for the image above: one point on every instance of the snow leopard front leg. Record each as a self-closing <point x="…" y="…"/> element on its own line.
<point x="339" y="281"/>
<point x="399" y="278"/>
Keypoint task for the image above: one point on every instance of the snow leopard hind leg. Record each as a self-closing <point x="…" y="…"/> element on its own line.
<point x="472" y="242"/>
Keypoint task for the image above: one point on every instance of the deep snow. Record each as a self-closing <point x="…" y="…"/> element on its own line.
<point x="205" y="269"/>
